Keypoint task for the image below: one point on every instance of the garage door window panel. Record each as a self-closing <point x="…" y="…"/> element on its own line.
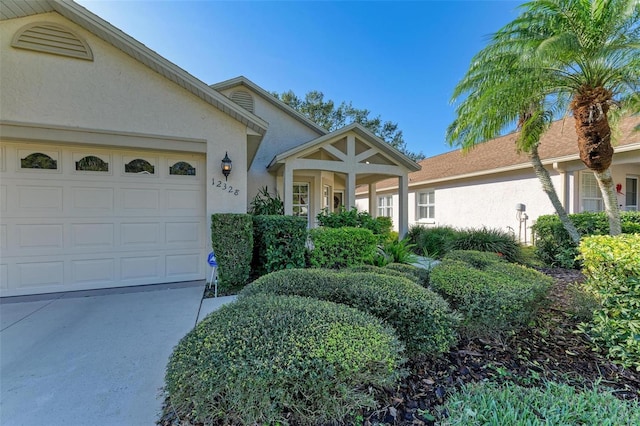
<point x="92" y="163"/>
<point x="140" y="166"/>
<point x="182" y="168"/>
<point x="39" y="160"/>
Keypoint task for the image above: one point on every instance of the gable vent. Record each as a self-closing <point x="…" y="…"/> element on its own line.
<point x="52" y="38"/>
<point x="244" y="99"/>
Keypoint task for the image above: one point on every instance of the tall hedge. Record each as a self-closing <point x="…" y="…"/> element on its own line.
<point x="554" y="246"/>
<point x="232" y="242"/>
<point x="279" y="242"/>
<point x="612" y="268"/>
<point x="341" y="247"/>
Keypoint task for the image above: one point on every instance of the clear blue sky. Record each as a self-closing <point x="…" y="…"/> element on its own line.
<point x="401" y="60"/>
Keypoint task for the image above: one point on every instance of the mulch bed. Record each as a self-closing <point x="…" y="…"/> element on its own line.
<point x="549" y="351"/>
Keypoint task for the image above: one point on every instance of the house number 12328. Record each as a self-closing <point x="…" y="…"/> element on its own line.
<point x="224" y="187"/>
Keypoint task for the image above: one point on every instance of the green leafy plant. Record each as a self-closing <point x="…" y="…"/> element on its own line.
<point x="380" y="226"/>
<point x="279" y="243"/>
<point x="612" y="268"/>
<point x="400" y="251"/>
<point x="341" y="247"/>
<point x="431" y="242"/>
<point x="421" y="318"/>
<point x="232" y="242"/>
<point x="266" y="204"/>
<point x="554" y="246"/>
<point x="554" y="404"/>
<point x="498" y="298"/>
<point x="489" y="240"/>
<point x="281" y="360"/>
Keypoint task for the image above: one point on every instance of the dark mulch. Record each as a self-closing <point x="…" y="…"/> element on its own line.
<point x="549" y="350"/>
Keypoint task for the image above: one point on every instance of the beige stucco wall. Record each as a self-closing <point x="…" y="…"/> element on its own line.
<point x="117" y="93"/>
<point x="479" y="202"/>
<point x="284" y="133"/>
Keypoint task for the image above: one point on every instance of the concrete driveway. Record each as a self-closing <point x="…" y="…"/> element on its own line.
<point x="93" y="358"/>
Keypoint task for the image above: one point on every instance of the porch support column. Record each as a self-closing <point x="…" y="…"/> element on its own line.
<point x="403" y="205"/>
<point x="287" y="190"/>
<point x="373" y="208"/>
<point x="350" y="193"/>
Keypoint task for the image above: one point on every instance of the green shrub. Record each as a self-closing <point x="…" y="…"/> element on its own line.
<point x="431" y="242"/>
<point x="382" y="271"/>
<point x="341" y="247"/>
<point x="612" y="268"/>
<point x="279" y="243"/>
<point x="380" y="226"/>
<point x="232" y="242"/>
<point x="489" y="240"/>
<point x="281" y="360"/>
<point x="266" y="204"/>
<point x="477" y="259"/>
<point x="399" y="251"/>
<point x="420" y="275"/>
<point x="493" y="300"/>
<point x="555" y="404"/>
<point x="554" y="246"/>
<point x="421" y="318"/>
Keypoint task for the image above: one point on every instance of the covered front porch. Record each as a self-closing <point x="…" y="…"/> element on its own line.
<point x="324" y="173"/>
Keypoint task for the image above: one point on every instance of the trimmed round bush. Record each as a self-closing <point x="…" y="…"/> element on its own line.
<point x="421" y="275"/>
<point x="433" y="242"/>
<point x="477" y="259"/>
<point x="281" y="360"/>
<point x="499" y="298"/>
<point x="393" y="272"/>
<point x="421" y="318"/>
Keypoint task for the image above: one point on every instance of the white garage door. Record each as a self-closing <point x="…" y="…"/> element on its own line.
<point x="74" y="218"/>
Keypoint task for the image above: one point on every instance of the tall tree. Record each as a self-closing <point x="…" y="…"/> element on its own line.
<point x="585" y="55"/>
<point x="501" y="93"/>
<point x="326" y="114"/>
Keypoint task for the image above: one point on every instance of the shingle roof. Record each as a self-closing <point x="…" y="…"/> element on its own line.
<point x="558" y="143"/>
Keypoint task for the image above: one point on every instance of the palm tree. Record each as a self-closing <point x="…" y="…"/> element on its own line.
<point x="587" y="51"/>
<point x="501" y="91"/>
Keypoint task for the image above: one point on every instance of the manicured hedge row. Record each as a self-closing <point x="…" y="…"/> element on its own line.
<point x="492" y="297"/>
<point x="555" y="248"/>
<point x="279" y="243"/>
<point x="281" y="360"/>
<point x="232" y="242"/>
<point x="612" y="268"/>
<point x="418" y="275"/>
<point x="341" y="247"/>
<point x="421" y="318"/>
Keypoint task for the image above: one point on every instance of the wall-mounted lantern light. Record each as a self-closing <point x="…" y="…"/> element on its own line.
<point x="226" y="166"/>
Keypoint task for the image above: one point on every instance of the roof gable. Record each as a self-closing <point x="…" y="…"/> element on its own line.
<point x="79" y="15"/>
<point x="369" y="149"/>
<point x="243" y="82"/>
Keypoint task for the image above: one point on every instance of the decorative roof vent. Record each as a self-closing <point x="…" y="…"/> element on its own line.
<point x="52" y="38"/>
<point x="243" y="98"/>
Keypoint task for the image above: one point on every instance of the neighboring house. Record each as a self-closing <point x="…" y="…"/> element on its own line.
<point x="110" y="156"/>
<point x="485" y="186"/>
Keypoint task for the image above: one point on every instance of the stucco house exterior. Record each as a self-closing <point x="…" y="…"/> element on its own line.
<point x="110" y="156"/>
<point x="484" y="186"/>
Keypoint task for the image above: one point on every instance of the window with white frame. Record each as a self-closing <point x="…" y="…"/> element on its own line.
<point x="425" y="205"/>
<point x="301" y="200"/>
<point x="631" y="194"/>
<point x="385" y="206"/>
<point x="590" y="193"/>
